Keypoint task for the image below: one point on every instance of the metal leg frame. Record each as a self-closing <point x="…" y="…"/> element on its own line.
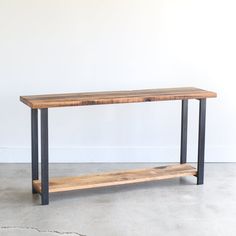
<point x="34" y="145"/>
<point x="184" y="131"/>
<point x="201" y="141"/>
<point x="44" y="152"/>
<point x="44" y="157"/>
<point x="201" y="137"/>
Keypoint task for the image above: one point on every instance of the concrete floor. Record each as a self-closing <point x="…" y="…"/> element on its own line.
<point x="170" y="207"/>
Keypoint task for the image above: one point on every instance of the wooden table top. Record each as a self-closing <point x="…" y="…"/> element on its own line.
<point x="111" y="97"/>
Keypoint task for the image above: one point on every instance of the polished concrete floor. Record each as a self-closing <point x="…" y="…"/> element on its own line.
<point x="170" y="207"/>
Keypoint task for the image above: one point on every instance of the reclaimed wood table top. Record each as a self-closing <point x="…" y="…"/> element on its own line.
<point x="112" y="97"/>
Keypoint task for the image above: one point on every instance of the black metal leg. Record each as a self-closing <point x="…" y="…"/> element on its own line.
<point x="201" y="141"/>
<point x="34" y="146"/>
<point x="44" y="156"/>
<point x="184" y="131"/>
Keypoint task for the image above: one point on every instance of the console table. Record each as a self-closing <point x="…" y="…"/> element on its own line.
<point x="43" y="102"/>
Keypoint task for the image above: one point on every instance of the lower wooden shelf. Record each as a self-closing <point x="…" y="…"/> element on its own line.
<point x="117" y="178"/>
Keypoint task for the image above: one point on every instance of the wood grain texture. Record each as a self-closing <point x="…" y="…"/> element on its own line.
<point x="96" y="98"/>
<point x="117" y="178"/>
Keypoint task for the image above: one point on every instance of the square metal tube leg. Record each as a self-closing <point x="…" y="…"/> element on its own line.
<point x="34" y="146"/>
<point x="201" y="141"/>
<point x="184" y="131"/>
<point x="44" y="157"/>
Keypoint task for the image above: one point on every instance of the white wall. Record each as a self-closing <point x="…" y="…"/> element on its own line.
<point x="55" y="46"/>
